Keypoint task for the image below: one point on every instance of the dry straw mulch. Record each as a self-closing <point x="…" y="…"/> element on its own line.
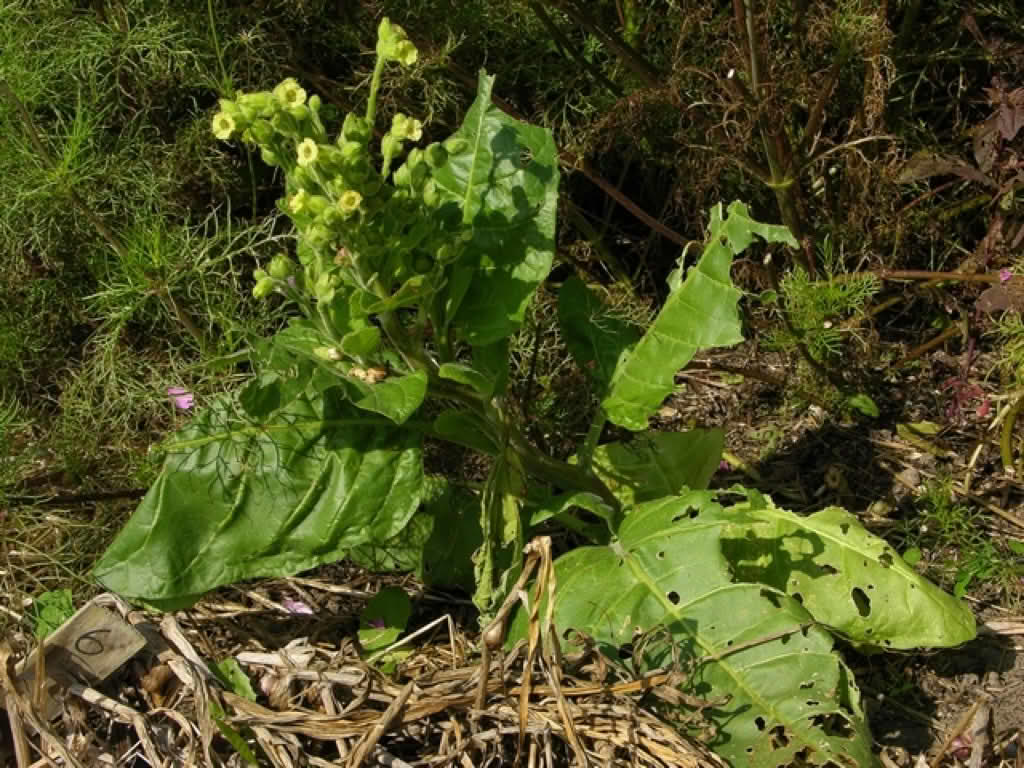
<point x="319" y="703"/>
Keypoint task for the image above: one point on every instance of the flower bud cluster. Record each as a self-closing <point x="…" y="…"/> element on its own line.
<point x="364" y="232"/>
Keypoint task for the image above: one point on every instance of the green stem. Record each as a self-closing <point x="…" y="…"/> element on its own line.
<point x="1006" y="438"/>
<point x="560" y="473"/>
<point x="533" y="461"/>
<point x="371" y="104"/>
<point x="205" y="345"/>
<point x="225" y="80"/>
<point x="593" y="435"/>
<point x="570" y="50"/>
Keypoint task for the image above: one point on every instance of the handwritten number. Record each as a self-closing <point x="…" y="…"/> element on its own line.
<point x="89" y="645"/>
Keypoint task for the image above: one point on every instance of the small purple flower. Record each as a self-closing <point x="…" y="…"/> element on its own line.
<point x="377" y="623"/>
<point x="181" y="397"/>
<point x="1005" y="274"/>
<point x="297" y="607"/>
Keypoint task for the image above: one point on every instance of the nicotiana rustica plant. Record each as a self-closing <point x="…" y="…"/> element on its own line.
<point x="414" y="265"/>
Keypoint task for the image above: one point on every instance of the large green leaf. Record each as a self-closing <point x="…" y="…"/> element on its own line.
<point x="505" y="178"/>
<point x="845" y="577"/>
<point x="595" y="338"/>
<point x="237" y="500"/>
<point x="657" y="464"/>
<point x="788" y="692"/>
<point x="700" y="312"/>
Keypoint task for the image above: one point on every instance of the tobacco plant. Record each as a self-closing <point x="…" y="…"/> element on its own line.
<point x="413" y="267"/>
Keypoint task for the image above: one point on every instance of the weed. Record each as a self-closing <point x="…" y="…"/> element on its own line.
<point x="820" y="310"/>
<point x="953" y="542"/>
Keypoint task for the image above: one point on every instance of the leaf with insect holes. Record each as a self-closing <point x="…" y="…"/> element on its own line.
<point x="701" y="312"/>
<point x="739" y="595"/>
<point x="663" y="593"/>
<point x="847" y="577"/>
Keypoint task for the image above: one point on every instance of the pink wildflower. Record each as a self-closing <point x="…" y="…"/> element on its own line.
<point x="181" y="397"/>
<point x="1005" y="274"/>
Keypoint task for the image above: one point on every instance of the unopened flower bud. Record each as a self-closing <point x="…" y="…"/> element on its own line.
<point x="263" y="287"/>
<point x="390" y="145"/>
<point x="262" y="131"/>
<point x="355" y="128"/>
<point x="317" y="236"/>
<point x="280" y="266"/>
<point x="317" y="204"/>
<point x="302" y="178"/>
<point x="456" y="145"/>
<point x="352" y="149"/>
<point x="402" y="177"/>
<point x="435" y="155"/>
<point x="328" y="353"/>
<point x="259" y="104"/>
<point x="430" y="194"/>
<point x="324" y="288"/>
<point x="285" y="124"/>
<point x="270" y="157"/>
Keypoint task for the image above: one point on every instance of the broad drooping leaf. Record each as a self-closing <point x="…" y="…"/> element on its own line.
<point x="595" y="338"/>
<point x="668" y="575"/>
<point x="237" y="500"/>
<point x="700" y="312"/>
<point x="657" y="464"/>
<point x="505" y="178"/>
<point x="845" y="577"/>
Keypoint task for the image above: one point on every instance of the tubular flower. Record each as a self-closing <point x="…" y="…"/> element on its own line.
<point x="298" y="201"/>
<point x="290" y="93"/>
<point x="181" y="397"/>
<point x="223" y="125"/>
<point x="308" y="152"/>
<point x="349" y="201"/>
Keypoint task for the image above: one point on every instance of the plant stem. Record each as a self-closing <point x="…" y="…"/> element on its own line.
<point x="559" y="473"/>
<point x="371" y="103"/>
<point x="586" y="453"/>
<point x="570" y="50"/>
<point x="642" y="68"/>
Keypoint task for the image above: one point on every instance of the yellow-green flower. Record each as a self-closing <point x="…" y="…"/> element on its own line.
<point x="393" y="43"/>
<point x="349" y="201"/>
<point x="405" y="127"/>
<point x="414" y="131"/>
<point x="308" y="151"/>
<point x="223" y="125"/>
<point x="290" y="93"/>
<point x="298" y="201"/>
<point x="405" y="53"/>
